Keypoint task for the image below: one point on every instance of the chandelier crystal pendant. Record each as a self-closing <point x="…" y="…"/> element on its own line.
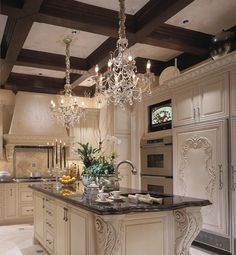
<point x="121" y="84"/>
<point x="67" y="111"/>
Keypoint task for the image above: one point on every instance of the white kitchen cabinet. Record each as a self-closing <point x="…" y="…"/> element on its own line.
<point x="11" y="201"/>
<point x="203" y="100"/>
<point x="233" y="93"/>
<point x="200" y="169"/>
<point x="81" y="244"/>
<point x="233" y="168"/>
<point x="61" y="236"/>
<point x="214" y="97"/>
<point x="184" y="103"/>
<point x="39" y="205"/>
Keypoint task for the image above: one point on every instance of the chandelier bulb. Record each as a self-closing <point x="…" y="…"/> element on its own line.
<point x="96" y="69"/>
<point x="62" y="101"/>
<point x="130" y="58"/>
<point x="148" y="65"/>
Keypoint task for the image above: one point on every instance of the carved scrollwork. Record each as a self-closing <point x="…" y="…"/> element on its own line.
<point x="108" y="235"/>
<point x="195" y="143"/>
<point x="188" y="223"/>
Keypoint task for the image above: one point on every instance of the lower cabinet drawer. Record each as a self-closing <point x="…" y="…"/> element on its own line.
<point x="49" y="224"/>
<point x="26" y="196"/>
<point x="49" y="241"/>
<point x="26" y="210"/>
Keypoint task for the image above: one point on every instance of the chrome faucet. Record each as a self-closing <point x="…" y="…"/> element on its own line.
<point x="133" y="169"/>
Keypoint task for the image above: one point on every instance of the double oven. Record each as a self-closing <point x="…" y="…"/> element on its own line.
<point x="157" y="165"/>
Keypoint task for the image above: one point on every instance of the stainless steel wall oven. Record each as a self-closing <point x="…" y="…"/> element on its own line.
<point x="157" y="165"/>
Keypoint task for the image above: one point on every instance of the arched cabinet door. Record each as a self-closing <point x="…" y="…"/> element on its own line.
<point x="200" y="169"/>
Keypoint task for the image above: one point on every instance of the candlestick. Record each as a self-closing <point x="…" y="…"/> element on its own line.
<point x="60" y="155"/>
<point x="56" y="153"/>
<point x="64" y="155"/>
<point x="52" y="155"/>
<point x="48" y="154"/>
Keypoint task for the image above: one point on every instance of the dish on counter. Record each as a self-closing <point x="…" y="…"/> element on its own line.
<point x="104" y="201"/>
<point x="120" y="198"/>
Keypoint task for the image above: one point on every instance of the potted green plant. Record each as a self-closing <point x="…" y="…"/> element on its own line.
<point x="98" y="167"/>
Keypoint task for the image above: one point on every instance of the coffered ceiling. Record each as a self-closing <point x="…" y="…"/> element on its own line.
<point x="32" y="31"/>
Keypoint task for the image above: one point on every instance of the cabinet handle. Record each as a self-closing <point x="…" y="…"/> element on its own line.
<point x="220" y="177"/>
<point x="65" y="214"/>
<point x="11" y="192"/>
<point x="50" y="242"/>
<point x="43" y="203"/>
<point x="194" y="113"/>
<point x="233" y="178"/>
<point x="64" y="218"/>
<point x="198" y="112"/>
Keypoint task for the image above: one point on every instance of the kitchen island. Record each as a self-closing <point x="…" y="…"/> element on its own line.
<point x="66" y="222"/>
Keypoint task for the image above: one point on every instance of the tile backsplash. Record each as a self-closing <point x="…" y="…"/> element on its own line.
<point x="29" y="160"/>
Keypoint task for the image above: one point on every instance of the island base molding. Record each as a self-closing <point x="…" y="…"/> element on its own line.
<point x="113" y="232"/>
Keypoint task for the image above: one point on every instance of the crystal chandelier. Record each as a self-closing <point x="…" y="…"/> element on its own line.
<point x="121" y="84"/>
<point x="67" y="111"/>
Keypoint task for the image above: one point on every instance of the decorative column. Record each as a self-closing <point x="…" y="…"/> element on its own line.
<point x="109" y="234"/>
<point x="188" y="223"/>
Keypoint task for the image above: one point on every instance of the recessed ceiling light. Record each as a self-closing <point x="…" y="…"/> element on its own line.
<point x="74" y="32"/>
<point x="185" y="21"/>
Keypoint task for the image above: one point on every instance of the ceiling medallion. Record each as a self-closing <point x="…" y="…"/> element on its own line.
<point x="67" y="110"/>
<point x="121" y="84"/>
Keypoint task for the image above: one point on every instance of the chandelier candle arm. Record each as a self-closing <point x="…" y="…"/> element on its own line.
<point x="121" y="84"/>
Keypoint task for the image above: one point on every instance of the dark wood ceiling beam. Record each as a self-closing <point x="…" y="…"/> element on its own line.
<point x="176" y="38"/>
<point x="18" y="37"/>
<point x="49" y="60"/>
<point x="41" y="84"/>
<point x="81" y="16"/>
<point x="157" y="13"/>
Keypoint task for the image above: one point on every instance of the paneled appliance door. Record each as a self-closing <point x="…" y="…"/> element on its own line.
<point x="233" y="174"/>
<point x="157" y="184"/>
<point x="200" y="170"/>
<point x="156" y="159"/>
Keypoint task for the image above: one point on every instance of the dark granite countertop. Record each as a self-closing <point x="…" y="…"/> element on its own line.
<point x="169" y="202"/>
<point x="25" y="180"/>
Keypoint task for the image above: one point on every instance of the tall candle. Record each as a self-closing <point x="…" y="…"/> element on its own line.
<point x="56" y="153"/>
<point x="64" y="155"/>
<point x="52" y="155"/>
<point x="60" y="155"/>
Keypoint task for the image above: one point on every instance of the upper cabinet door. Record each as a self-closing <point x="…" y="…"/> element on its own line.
<point x="213" y="96"/>
<point x="233" y="92"/>
<point x="184" y="111"/>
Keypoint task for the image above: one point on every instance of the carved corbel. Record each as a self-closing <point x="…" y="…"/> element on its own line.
<point x="188" y="223"/>
<point x="109" y="234"/>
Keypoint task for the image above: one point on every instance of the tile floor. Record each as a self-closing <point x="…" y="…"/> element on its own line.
<point x="18" y="240"/>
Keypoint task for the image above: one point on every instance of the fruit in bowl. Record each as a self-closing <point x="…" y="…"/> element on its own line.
<point x="67" y="179"/>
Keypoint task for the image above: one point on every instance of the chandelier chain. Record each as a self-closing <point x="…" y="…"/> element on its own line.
<point x="122" y="20"/>
<point x="121" y="84"/>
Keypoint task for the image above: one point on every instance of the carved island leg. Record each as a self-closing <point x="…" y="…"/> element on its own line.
<point x="188" y="223"/>
<point x="109" y="234"/>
